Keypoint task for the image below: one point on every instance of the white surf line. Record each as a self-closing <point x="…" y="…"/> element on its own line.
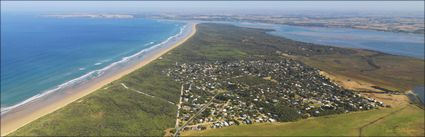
<point x="97" y="73"/>
<point x="125" y="86"/>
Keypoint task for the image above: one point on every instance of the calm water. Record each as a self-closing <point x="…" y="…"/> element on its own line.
<point x="40" y="53"/>
<point x="404" y="44"/>
<point x="420" y="92"/>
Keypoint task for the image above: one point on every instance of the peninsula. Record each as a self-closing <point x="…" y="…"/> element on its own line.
<point x="223" y="78"/>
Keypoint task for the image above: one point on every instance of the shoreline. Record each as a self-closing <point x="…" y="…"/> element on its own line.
<point x="275" y="32"/>
<point x="115" y="66"/>
<point x="27" y="113"/>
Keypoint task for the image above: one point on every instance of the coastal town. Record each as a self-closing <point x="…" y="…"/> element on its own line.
<point x="222" y="93"/>
<point x="212" y="68"/>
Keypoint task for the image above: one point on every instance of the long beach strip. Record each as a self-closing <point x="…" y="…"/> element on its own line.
<point x="27" y="113"/>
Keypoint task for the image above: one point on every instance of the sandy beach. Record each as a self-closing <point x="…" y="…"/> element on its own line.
<point x="21" y="116"/>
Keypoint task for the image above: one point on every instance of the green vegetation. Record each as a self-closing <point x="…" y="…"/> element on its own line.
<point x="388" y="71"/>
<point x="116" y="111"/>
<point x="408" y="121"/>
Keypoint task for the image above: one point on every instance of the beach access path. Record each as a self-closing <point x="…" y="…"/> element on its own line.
<point x="138" y="91"/>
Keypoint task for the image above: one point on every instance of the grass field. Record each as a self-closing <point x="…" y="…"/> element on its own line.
<point x="116" y="111"/>
<point x="391" y="72"/>
<point x="407" y="122"/>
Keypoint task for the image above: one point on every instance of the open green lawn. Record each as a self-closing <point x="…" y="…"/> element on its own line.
<point x="407" y="122"/>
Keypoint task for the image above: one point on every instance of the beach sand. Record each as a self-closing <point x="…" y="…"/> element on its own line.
<point x="15" y="119"/>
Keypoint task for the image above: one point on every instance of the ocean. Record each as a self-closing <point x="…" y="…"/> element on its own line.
<point x="40" y="54"/>
<point x="404" y="44"/>
<point x="420" y="92"/>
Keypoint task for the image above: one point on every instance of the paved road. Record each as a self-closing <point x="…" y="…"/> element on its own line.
<point x="178" y="107"/>
<point x="196" y="114"/>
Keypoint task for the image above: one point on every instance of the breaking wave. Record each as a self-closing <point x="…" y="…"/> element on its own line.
<point x="93" y="74"/>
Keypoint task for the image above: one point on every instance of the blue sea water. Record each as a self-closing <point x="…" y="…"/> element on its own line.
<point x="420" y="92"/>
<point x="403" y="44"/>
<point x="39" y="53"/>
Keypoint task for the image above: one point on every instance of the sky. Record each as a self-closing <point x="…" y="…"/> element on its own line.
<point x="224" y="7"/>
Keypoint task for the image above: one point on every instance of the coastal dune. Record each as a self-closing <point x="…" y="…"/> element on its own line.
<point x="27" y="113"/>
